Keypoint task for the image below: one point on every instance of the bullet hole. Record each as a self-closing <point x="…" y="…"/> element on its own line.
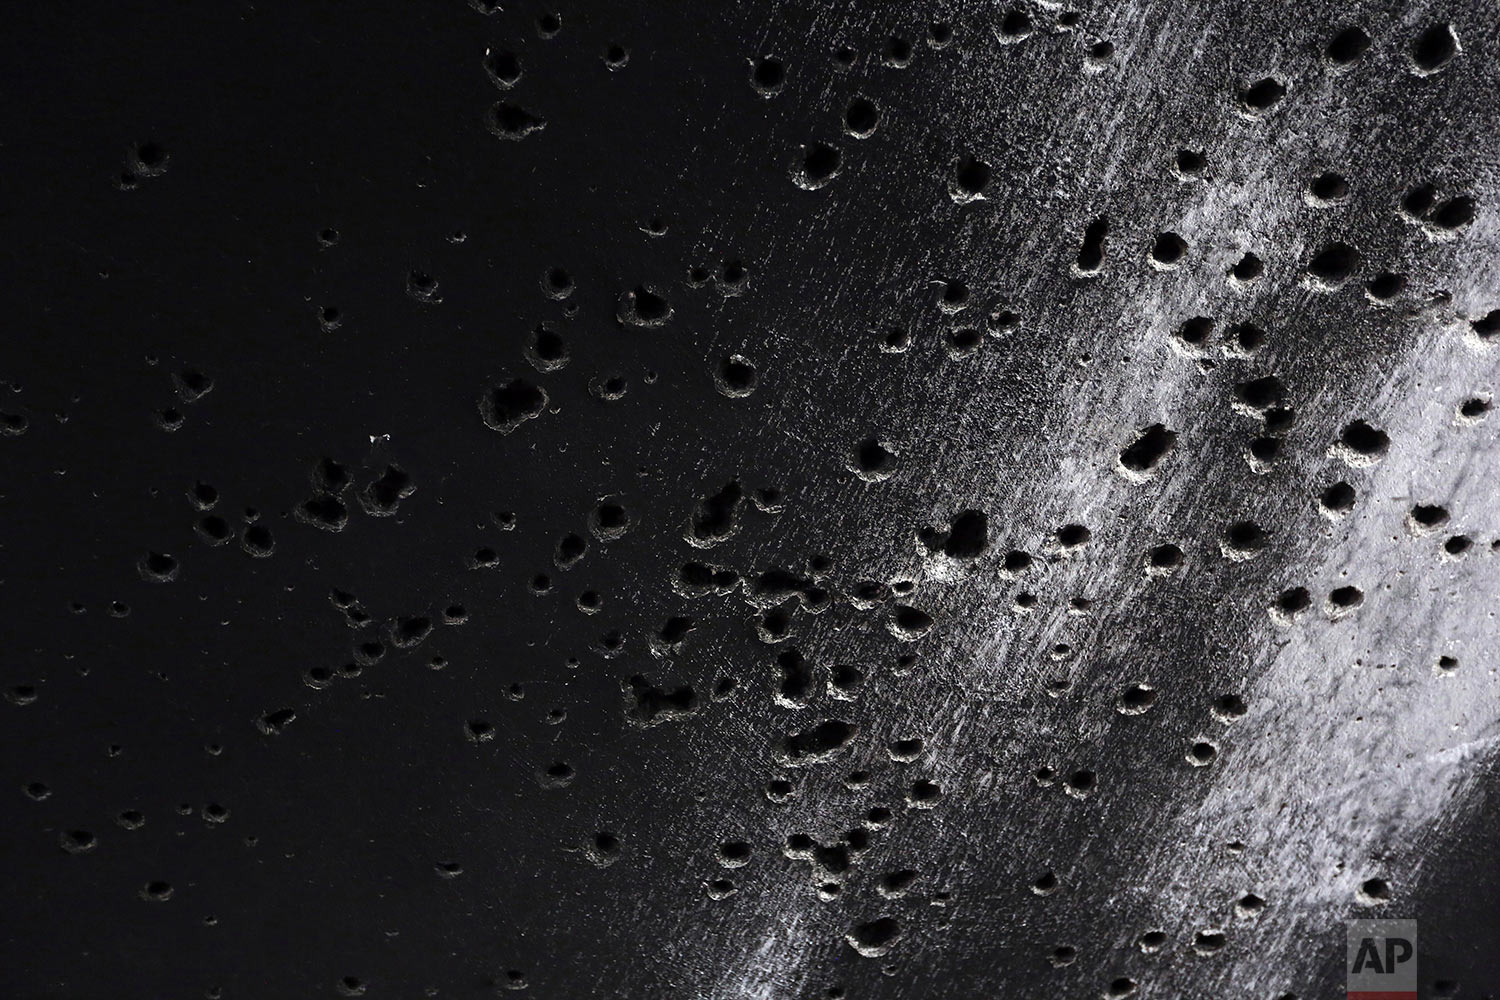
<point x="1425" y="517"/>
<point x="1244" y="339"/>
<point x="1091" y="254"/>
<point x="1337" y="499"/>
<point x="383" y="496"/>
<point x="1487" y="326"/>
<point x="819" y="164"/>
<point x="1161" y="559"/>
<point x="954" y="296"/>
<point x="1139" y="459"/>
<point x="1136" y="699"/>
<point x="734" y="854"/>
<point x="1347" y="46"/>
<point x="1081" y="783"/>
<point x="962" y="343"/>
<point x="1332" y="264"/>
<point x="1474" y="410"/>
<point x="1374" y="892"/>
<point x="1062" y="956"/>
<point x="874" y="938"/>
<point x="330" y="318"/>
<point x="735" y="377"/>
<point x="256" y="541"/>
<point x="844" y="680"/>
<point x="1167" y="251"/>
<point x="908" y="623"/>
<point x="609" y="389"/>
<point x="1455" y="213"/>
<point x="1262" y="452"/>
<point x="643" y="307"/>
<point x="1208" y="942"/>
<point x="512" y="122"/>
<point x="816" y="745"/>
<point x="1101" y="52"/>
<point x="733" y="278"/>
<point x="370" y="652"/>
<point x="1202" y="753"/>
<point x="547" y="352"/>
<point x="168" y="419"/>
<point x="1457" y="545"/>
<point x="897" y="883"/>
<point x="1120" y="988"/>
<point x="923" y="794"/>
<point x="970" y="176"/>
<point x="157" y="567"/>
<point x="503" y="68"/>
<point x="77" y="841"/>
<point x="861" y="117"/>
<point x="767" y="75"/>
<point x="557" y="775"/>
<point x="872" y="461"/>
<point x="905" y="751"/>
<point x="557" y="283"/>
<point x="968" y="535"/>
<point x="1385" y="286"/>
<point x="548" y="25"/>
<point x="1290" y="603"/>
<point x="1247" y="269"/>
<point x="147" y="159"/>
<point x="1044" y="884"/>
<point x="1261" y="394"/>
<point x="1195" y="331"/>
<point x="509" y="405"/>
<point x="616" y="57"/>
<point x="897" y="53"/>
<point x="1015" y="25"/>
<point x="216" y="531"/>
<point x="714" y="520"/>
<point x="719" y="888"/>
<point x="1250" y="905"/>
<point x="1190" y="163"/>
<point x="1361" y="444"/>
<point x="1434" y="48"/>
<point x="1262" y="95"/>
<point x="1015" y="563"/>
<point x="1328" y="189"/>
<point x="191" y="384"/>
<point x="1417" y="201"/>
<point x="156" y="892"/>
<point x="609" y="521"/>
<point x="603" y="849"/>
<point x="1073" y="536"/>
<point x="570" y="549"/>
<point x="1243" y="539"/>
<point x="274" y="723"/>
<point x="1342" y="600"/>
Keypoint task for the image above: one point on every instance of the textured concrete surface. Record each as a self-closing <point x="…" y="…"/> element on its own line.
<point x="775" y="501"/>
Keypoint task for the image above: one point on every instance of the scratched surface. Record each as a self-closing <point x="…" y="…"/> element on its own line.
<point x="769" y="500"/>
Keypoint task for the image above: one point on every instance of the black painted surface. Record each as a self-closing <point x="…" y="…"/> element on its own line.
<point x="220" y="787"/>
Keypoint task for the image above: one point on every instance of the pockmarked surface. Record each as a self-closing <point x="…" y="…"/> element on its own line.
<point x="801" y="500"/>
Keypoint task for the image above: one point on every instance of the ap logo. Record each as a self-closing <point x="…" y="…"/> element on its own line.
<point x="1382" y="960"/>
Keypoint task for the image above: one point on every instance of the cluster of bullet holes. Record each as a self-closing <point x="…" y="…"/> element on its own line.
<point x="653" y="695"/>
